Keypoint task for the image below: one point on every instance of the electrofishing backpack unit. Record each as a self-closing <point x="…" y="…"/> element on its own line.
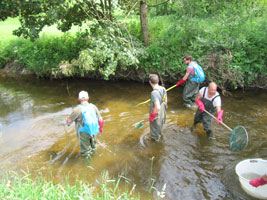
<point x="90" y="120"/>
<point x="199" y="73"/>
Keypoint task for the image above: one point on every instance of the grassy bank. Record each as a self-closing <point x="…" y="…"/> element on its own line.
<point x="14" y="186"/>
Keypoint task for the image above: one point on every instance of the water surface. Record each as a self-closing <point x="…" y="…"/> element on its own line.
<point x="34" y="137"/>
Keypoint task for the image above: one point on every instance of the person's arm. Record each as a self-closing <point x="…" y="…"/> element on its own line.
<point x="98" y="114"/>
<point x="218" y="104"/>
<point x="199" y="103"/>
<point x="156" y="107"/>
<point x="198" y="96"/>
<point x="100" y="120"/>
<point x="219" y="108"/>
<point x="73" y="116"/>
<point x="186" y="76"/>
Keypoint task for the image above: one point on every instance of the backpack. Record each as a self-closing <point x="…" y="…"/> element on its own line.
<point x="199" y="73"/>
<point x="90" y="120"/>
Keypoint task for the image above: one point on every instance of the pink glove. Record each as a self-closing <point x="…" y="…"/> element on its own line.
<point x="101" y="124"/>
<point x="152" y="116"/>
<point x="200" y="105"/>
<point x="180" y="82"/>
<point x="219" y="116"/>
<point x="257" y="182"/>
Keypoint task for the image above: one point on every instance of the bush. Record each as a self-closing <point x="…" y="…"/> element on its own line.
<point x="109" y="50"/>
<point x="231" y="46"/>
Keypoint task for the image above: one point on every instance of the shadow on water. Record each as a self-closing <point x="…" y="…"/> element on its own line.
<point x="34" y="137"/>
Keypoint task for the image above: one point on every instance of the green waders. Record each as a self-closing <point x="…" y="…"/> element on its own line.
<point x="190" y="92"/>
<point x="87" y="144"/>
<point x="157" y="125"/>
<point x="203" y="117"/>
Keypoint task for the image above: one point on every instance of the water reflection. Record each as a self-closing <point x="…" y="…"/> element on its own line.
<point x="34" y="136"/>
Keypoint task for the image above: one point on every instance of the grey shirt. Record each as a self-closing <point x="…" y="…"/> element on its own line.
<point x="157" y="95"/>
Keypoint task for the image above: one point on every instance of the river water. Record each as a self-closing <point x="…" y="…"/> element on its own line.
<point x="34" y="138"/>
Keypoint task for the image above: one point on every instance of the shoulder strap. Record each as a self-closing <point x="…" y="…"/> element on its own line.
<point x="204" y="92"/>
<point x="161" y="94"/>
<point x="215" y="97"/>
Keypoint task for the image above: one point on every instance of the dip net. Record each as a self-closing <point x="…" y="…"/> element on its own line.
<point x="238" y="139"/>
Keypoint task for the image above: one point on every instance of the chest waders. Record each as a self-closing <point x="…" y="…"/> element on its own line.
<point x="157" y="125"/>
<point x="204" y="118"/>
<point x="190" y="91"/>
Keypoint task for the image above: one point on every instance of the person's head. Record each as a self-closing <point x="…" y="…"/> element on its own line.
<point x="83" y="96"/>
<point x="212" y="89"/>
<point x="153" y="79"/>
<point x="187" y="59"/>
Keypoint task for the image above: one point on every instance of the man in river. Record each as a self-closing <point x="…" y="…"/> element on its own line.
<point x="208" y="99"/>
<point x="158" y="107"/>
<point x="191" y="87"/>
<point x="88" y="123"/>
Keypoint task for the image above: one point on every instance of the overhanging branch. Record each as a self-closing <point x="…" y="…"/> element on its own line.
<point x="158" y="4"/>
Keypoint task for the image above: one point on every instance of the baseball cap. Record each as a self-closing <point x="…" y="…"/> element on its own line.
<point x="83" y="95"/>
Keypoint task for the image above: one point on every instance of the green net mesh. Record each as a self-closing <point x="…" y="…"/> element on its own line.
<point x="139" y="125"/>
<point x="238" y="139"/>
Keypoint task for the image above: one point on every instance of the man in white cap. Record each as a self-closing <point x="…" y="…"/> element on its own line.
<point x="88" y="123"/>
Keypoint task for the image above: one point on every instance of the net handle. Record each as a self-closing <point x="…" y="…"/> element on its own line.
<point x="149" y="99"/>
<point x="219" y="121"/>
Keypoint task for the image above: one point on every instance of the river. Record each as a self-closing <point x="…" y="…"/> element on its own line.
<point x="34" y="138"/>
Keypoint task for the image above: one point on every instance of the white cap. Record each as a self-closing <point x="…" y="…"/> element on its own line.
<point x="83" y="95"/>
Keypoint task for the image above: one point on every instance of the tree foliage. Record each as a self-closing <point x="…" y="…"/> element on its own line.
<point x="34" y="15"/>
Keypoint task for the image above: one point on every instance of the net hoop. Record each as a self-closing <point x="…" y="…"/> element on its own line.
<point x="238" y="139"/>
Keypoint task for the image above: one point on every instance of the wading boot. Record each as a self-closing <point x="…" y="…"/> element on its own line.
<point x="210" y="135"/>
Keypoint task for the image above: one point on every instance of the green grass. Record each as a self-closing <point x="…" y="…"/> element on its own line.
<point x="9" y="25"/>
<point x="15" y="186"/>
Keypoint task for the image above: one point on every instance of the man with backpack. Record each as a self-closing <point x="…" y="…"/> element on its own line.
<point x="194" y="75"/>
<point x="158" y="107"/>
<point x="88" y="123"/>
<point x="208" y="99"/>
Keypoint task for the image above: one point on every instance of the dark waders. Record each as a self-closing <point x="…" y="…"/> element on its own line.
<point x="87" y="143"/>
<point x="157" y="125"/>
<point x="190" y="91"/>
<point x="203" y="117"/>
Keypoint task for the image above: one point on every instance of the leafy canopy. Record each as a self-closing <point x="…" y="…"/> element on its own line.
<point x="34" y="15"/>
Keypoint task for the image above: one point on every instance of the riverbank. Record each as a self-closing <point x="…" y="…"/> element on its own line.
<point x="16" y="70"/>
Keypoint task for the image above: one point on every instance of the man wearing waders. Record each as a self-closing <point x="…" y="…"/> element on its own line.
<point x="88" y="123"/>
<point x="191" y="87"/>
<point x="208" y="99"/>
<point x="158" y="107"/>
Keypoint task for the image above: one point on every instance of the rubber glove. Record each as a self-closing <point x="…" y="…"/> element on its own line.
<point x="101" y="124"/>
<point x="219" y="116"/>
<point x="180" y="82"/>
<point x="258" y="182"/>
<point x="200" y="105"/>
<point x="152" y="116"/>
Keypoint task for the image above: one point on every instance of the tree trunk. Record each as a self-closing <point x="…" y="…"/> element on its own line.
<point x="144" y="21"/>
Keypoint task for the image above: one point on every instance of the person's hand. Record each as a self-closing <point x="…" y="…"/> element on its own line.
<point x="219" y="116"/>
<point x="68" y="122"/>
<point x="258" y="182"/>
<point x="152" y="116"/>
<point x="101" y="124"/>
<point x="200" y="105"/>
<point x="180" y="82"/>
